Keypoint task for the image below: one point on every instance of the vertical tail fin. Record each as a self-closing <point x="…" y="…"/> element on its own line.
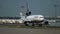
<point x="21" y="14"/>
<point x="27" y="11"/>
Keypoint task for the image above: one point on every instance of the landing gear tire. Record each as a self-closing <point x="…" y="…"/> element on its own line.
<point x="46" y="23"/>
<point x="40" y="25"/>
<point x="33" y="24"/>
<point x="26" y="24"/>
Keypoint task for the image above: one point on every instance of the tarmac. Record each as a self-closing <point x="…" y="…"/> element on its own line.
<point x="5" y="30"/>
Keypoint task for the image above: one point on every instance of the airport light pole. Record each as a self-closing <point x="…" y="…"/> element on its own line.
<point x="55" y="11"/>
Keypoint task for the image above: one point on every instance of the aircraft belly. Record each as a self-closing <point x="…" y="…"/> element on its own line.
<point x="35" y="21"/>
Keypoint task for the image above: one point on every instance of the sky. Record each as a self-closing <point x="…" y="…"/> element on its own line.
<point x="12" y="8"/>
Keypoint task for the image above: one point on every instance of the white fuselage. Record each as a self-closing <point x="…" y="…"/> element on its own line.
<point x="35" y="18"/>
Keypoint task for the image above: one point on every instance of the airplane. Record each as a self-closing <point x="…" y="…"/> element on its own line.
<point x="34" y="19"/>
